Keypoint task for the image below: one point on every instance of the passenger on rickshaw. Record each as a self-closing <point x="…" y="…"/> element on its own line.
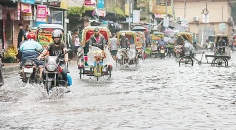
<point x="124" y="42"/>
<point x="86" y="24"/>
<point x="221" y="44"/>
<point x="97" y="39"/>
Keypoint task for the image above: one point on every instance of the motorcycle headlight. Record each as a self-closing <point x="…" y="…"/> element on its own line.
<point x="51" y="67"/>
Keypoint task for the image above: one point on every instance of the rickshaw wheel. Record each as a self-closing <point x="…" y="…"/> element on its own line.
<point x="80" y="73"/>
<point x="199" y="63"/>
<point x="109" y="73"/>
<point x="213" y="62"/>
<point x="185" y="60"/>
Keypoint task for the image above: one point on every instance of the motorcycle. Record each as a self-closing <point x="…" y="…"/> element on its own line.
<point x="1" y="64"/>
<point x="141" y="54"/>
<point x="162" y="52"/>
<point x="53" y="72"/>
<point x="30" y="72"/>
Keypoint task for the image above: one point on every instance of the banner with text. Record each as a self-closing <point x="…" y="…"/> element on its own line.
<point x="41" y="13"/>
<point x="100" y="4"/>
<point x="89" y="3"/>
<point x="136" y="16"/>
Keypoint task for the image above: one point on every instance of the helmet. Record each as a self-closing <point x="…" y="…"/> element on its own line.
<point x="31" y="35"/>
<point x="122" y="34"/>
<point x="57" y="33"/>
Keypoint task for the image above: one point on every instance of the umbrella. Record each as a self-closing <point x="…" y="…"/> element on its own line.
<point x="139" y="28"/>
<point x="169" y="31"/>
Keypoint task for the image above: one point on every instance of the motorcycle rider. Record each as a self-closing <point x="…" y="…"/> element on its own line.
<point x="97" y="39"/>
<point x="57" y="48"/>
<point x="161" y="42"/>
<point x="28" y="51"/>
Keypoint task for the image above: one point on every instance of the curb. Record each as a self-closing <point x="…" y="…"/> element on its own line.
<point x="10" y="68"/>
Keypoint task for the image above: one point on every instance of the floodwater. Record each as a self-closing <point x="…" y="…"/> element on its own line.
<point x="157" y="95"/>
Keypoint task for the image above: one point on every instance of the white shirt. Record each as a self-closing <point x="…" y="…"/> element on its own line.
<point x="77" y="43"/>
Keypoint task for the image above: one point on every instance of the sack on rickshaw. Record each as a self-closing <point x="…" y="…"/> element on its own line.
<point x="131" y="53"/>
<point x="108" y="60"/>
<point x="96" y="53"/>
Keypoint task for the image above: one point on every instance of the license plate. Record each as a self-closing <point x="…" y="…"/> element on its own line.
<point x="162" y="51"/>
<point x="28" y="70"/>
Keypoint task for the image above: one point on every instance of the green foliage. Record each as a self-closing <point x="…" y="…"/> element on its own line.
<point x="142" y="1"/>
<point x="78" y="10"/>
<point x="117" y="10"/>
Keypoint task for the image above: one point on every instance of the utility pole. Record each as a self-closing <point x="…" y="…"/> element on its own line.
<point x="205" y="12"/>
<point x="130" y="9"/>
<point x="184" y="8"/>
<point x="222" y="14"/>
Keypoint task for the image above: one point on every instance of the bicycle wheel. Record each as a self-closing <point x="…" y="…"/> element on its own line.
<point x="186" y="60"/>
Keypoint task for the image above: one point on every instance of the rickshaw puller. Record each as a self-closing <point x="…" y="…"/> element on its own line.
<point x="97" y="39"/>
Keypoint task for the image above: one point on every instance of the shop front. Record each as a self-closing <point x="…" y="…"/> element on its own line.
<point x="11" y="14"/>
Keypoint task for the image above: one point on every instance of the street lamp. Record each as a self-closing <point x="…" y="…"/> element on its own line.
<point x="205" y="12"/>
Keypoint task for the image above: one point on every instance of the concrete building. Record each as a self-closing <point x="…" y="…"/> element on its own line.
<point x="219" y="11"/>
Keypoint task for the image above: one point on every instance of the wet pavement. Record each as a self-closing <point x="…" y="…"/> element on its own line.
<point x="157" y="95"/>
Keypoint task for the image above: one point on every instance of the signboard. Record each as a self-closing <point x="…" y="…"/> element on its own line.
<point x="205" y="18"/>
<point x="45" y="36"/>
<point x="184" y="23"/>
<point x="127" y="9"/>
<point x="1" y="13"/>
<point x="41" y="11"/>
<point x="100" y="4"/>
<point x="64" y="4"/>
<point x="136" y="16"/>
<point x="157" y="9"/>
<point x="166" y="22"/>
<point x="89" y="2"/>
<point x="26" y="8"/>
<point x="28" y="1"/>
<point x="222" y="27"/>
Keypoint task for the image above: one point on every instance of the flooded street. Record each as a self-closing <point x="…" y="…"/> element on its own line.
<point x="157" y="95"/>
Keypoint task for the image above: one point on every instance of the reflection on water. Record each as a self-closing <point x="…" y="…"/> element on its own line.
<point x="157" y="95"/>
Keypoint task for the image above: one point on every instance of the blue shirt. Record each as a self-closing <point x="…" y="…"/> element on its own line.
<point x="30" y="45"/>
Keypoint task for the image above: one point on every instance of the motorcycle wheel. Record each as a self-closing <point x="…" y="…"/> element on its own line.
<point x="48" y="86"/>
